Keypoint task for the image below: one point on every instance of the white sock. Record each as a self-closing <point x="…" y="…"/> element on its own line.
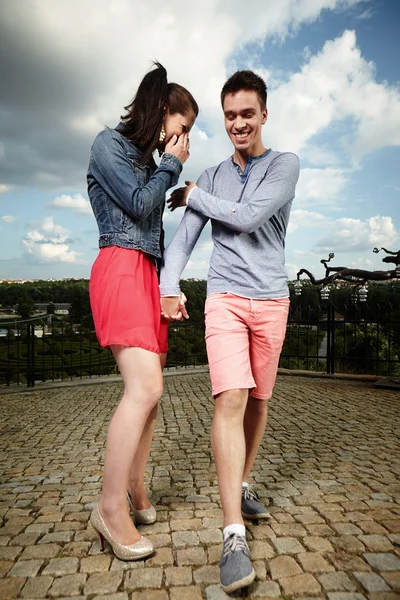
<point x="234" y="528"/>
<point x="245" y="484"/>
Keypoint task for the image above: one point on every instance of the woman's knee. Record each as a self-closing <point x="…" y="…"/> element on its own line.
<point x="146" y="394"/>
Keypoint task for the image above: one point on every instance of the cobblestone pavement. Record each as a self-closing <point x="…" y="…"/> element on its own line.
<point x="329" y="468"/>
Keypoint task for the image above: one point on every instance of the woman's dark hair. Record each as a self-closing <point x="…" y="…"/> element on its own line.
<point x="145" y="113"/>
<point x="245" y="80"/>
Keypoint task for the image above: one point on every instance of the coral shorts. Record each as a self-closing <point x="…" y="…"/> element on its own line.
<point x="125" y="300"/>
<point x="244" y="340"/>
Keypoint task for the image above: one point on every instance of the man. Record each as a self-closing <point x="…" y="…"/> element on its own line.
<point x="248" y="199"/>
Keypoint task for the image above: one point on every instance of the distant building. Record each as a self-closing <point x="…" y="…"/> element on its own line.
<point x="60" y="308"/>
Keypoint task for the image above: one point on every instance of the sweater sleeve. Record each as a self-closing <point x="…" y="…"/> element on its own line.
<point x="275" y="189"/>
<point x="177" y="253"/>
<point x="112" y="169"/>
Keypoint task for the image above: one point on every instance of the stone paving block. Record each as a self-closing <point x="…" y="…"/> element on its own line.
<point x="191" y="556"/>
<point x="69" y="585"/>
<point x="143" y="578"/>
<point x="57" y="537"/>
<point x="78" y="549"/>
<point x="162" y="558"/>
<point x="392" y="525"/>
<point x="260" y="569"/>
<point x="348" y="543"/>
<point x="372" y="582"/>
<point x="36" y="587"/>
<point x="11" y="587"/>
<point x="284" y="566"/>
<point x="304" y="583"/>
<point x="214" y="554"/>
<point x="62" y="566"/>
<point x="41" y="551"/>
<point x="266" y="589"/>
<point x="184" y="539"/>
<point x="160" y="540"/>
<point x="5" y="566"/>
<point x="210" y="536"/>
<point x="212" y="523"/>
<point x="287" y="545"/>
<point x="260" y="549"/>
<point x="376" y="543"/>
<point x="124" y="565"/>
<point x="187" y="593"/>
<point x="383" y="596"/>
<point x="25" y="568"/>
<point x="336" y="582"/>
<point x="313" y="562"/>
<point x="288" y="530"/>
<point x="261" y="532"/>
<point x="9" y="552"/>
<point x="176" y="576"/>
<point x="383" y="561"/>
<point x="116" y="596"/>
<point x="101" y="583"/>
<point x="317" y="544"/>
<point x="25" y="539"/>
<point x="348" y="563"/>
<point x="95" y="564"/>
<point x="150" y="595"/>
<point x="346" y="596"/>
<point x="346" y="529"/>
<point x="371" y="527"/>
<point x="393" y="579"/>
<point x="206" y="575"/>
<point x="320" y="530"/>
<point x="215" y="592"/>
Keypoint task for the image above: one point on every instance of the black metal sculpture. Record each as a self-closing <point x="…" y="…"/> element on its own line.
<point x="356" y="277"/>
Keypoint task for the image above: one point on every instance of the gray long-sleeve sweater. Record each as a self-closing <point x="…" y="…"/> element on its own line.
<point x="249" y="221"/>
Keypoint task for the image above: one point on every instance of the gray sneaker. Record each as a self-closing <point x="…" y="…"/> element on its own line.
<point x="235" y="566"/>
<point x="251" y="506"/>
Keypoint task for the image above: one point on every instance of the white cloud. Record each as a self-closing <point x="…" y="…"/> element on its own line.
<point x="321" y="187"/>
<point x="337" y="84"/>
<point x="50" y="242"/>
<point x="356" y="235"/>
<point x="77" y="203"/>
<point x="3" y="188"/>
<point x="305" y="218"/>
<point x="9" y="219"/>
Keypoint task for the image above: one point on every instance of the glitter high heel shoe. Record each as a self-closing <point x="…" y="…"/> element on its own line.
<point x="136" y="551"/>
<point x="146" y="516"/>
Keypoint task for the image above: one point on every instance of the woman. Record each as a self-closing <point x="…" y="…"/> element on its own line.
<point x="127" y="194"/>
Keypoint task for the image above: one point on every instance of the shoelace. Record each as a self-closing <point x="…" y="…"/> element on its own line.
<point x="248" y="494"/>
<point x="233" y="543"/>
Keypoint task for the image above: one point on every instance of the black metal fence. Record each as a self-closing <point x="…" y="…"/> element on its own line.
<point x="51" y="348"/>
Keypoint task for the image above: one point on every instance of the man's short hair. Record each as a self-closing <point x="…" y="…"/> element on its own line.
<point x="246" y="80"/>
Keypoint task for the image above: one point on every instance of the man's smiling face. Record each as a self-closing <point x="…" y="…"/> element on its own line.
<point x="244" y="119"/>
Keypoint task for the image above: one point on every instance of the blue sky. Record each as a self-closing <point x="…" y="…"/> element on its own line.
<point x="333" y="77"/>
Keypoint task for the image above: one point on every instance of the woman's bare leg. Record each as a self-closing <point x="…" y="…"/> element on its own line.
<point x="136" y="487"/>
<point x="142" y="376"/>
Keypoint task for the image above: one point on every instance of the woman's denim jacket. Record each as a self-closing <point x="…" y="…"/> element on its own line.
<point x="128" y="197"/>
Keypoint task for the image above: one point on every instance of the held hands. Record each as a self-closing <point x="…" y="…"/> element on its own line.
<point x="173" y="307"/>
<point x="179" y="196"/>
<point x="179" y="147"/>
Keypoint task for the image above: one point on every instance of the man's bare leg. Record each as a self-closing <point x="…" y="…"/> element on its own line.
<point x="255" y="421"/>
<point x="229" y="449"/>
